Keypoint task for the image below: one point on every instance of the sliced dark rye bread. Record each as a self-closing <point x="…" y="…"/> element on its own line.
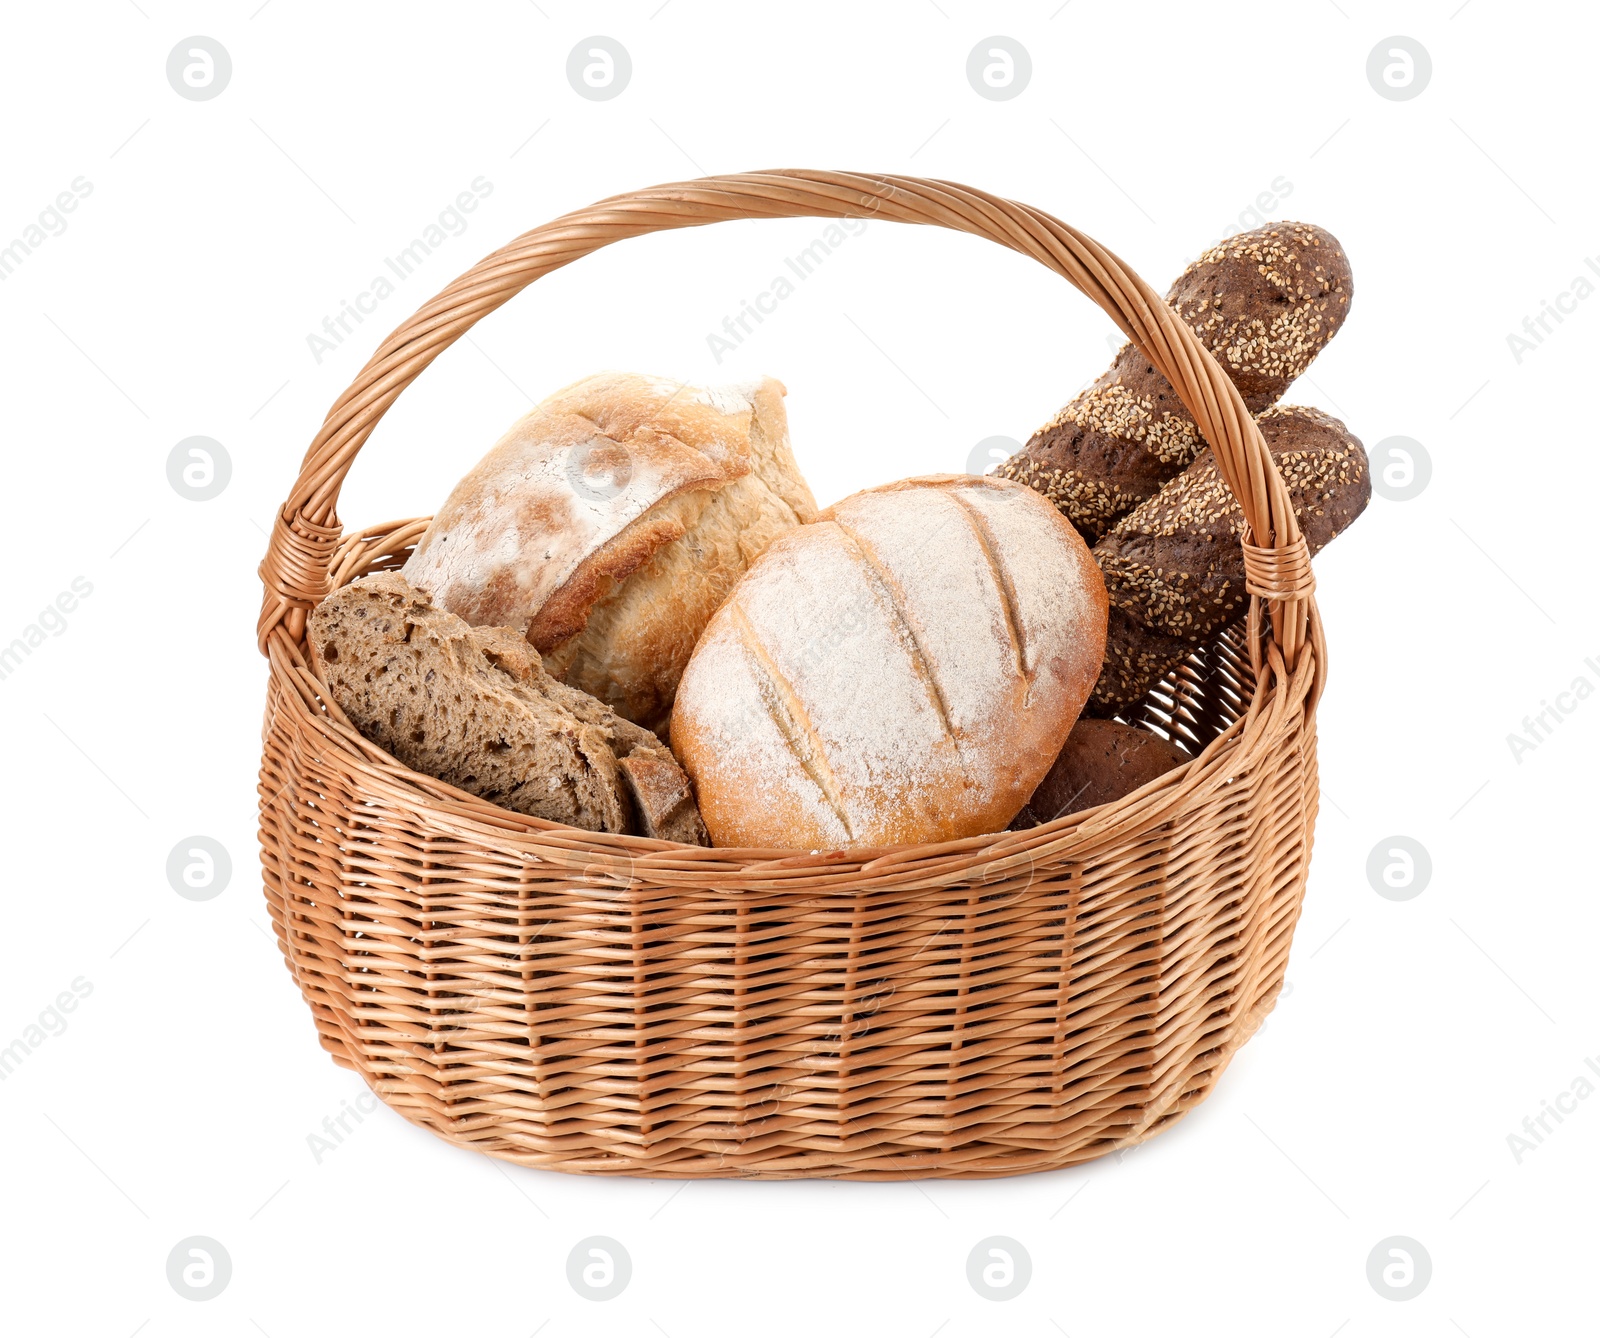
<point x="1264" y="302"/>
<point x="1173" y="567"/>
<point x="474" y="707"/>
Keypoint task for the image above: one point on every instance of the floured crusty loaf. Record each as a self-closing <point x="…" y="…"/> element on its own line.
<point x="1263" y="302"/>
<point x="474" y="707"/>
<point x="904" y="668"/>
<point x="1173" y="567"/>
<point x="610" y="524"/>
<point x="1101" y="761"/>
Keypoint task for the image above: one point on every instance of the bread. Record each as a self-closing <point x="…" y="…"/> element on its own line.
<point x="474" y="707"/>
<point x="610" y="523"/>
<point x="663" y="804"/>
<point x="1102" y="761"/>
<point x="1174" y="562"/>
<point x="904" y="668"/>
<point x="1173" y="567"/>
<point x="1264" y="302"/>
<point x="1136" y="660"/>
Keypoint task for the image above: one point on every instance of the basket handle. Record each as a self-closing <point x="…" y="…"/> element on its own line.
<point x="1277" y="563"/>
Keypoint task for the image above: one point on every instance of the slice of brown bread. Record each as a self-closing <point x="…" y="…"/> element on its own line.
<point x="1264" y="303"/>
<point x="474" y="707"/>
<point x="1102" y="760"/>
<point x="663" y="803"/>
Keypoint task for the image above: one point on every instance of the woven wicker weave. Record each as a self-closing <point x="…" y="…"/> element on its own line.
<point x="983" y="1007"/>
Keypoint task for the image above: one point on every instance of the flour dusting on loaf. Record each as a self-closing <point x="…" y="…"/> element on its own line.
<point x="905" y="668"/>
<point x="568" y="478"/>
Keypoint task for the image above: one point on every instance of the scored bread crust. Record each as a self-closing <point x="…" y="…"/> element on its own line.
<point x="474" y="707"/>
<point x="905" y="668"/>
<point x="611" y="521"/>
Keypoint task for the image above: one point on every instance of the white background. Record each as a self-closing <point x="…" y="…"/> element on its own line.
<point x="1415" y="1035"/>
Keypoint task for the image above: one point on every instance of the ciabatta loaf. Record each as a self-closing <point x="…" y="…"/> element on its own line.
<point x="474" y="707"/>
<point x="610" y="523"/>
<point x="904" y="668"/>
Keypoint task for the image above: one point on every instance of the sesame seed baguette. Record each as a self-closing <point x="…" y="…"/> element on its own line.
<point x="1265" y="303"/>
<point x="1173" y="566"/>
<point x="1136" y="659"/>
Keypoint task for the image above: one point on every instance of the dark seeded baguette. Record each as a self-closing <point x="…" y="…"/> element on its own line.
<point x="1136" y="659"/>
<point x="1173" y="567"/>
<point x="473" y="706"/>
<point x="1264" y="302"/>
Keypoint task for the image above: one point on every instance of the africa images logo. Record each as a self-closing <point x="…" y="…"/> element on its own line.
<point x="451" y="221"/>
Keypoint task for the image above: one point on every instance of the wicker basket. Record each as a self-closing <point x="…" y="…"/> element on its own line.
<point x="611" y="1004"/>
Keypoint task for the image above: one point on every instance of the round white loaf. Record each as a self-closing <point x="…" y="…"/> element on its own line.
<point x="905" y="668"/>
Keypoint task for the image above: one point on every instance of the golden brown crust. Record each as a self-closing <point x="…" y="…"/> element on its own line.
<point x="903" y="669"/>
<point x="642" y="628"/>
<point x="615" y="501"/>
<point x="567" y="610"/>
<point x="663" y="803"/>
<point x="560" y="491"/>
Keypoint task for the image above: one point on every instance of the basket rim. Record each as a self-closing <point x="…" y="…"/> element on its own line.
<point x="605" y="859"/>
<point x="294" y="572"/>
<point x="1283" y="630"/>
